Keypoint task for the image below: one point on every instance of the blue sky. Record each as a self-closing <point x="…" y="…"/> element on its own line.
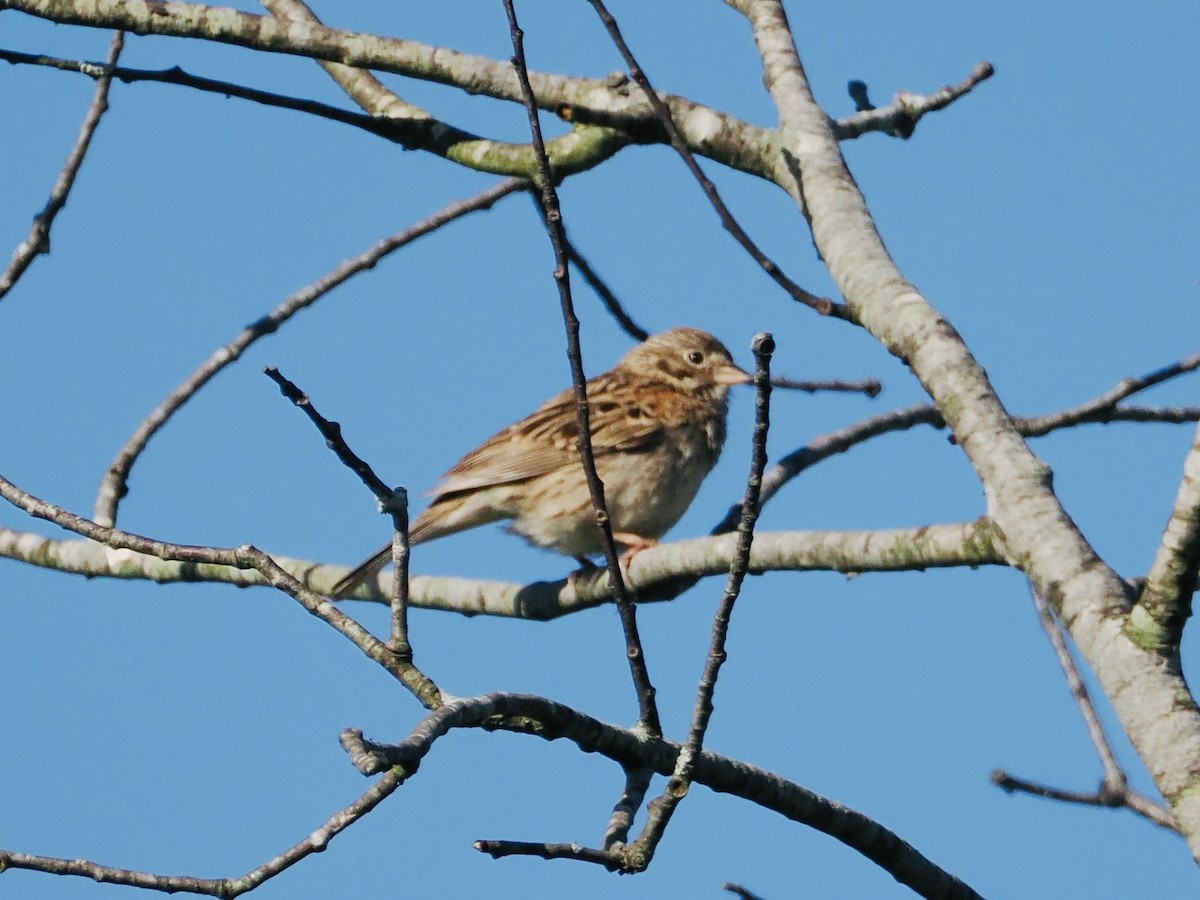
<point x="192" y="729"/>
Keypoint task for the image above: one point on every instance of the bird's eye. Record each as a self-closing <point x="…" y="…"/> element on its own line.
<point x="695" y="357"/>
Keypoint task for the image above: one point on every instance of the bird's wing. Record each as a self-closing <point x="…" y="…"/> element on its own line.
<point x="622" y="421"/>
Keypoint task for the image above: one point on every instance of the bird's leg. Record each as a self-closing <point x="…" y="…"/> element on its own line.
<point x="633" y="544"/>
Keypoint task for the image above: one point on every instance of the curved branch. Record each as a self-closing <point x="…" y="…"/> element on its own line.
<point x="114" y="485"/>
<point x="551" y="721"/>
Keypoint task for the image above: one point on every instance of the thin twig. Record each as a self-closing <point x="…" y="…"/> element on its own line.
<point x="391" y="501"/>
<point x="552" y="215"/>
<point x="739" y="891"/>
<point x="823" y="305"/>
<point x="1096" y="408"/>
<point x="604" y="292"/>
<point x="1114" y="790"/>
<point x="114" y="485"/>
<point x="243" y="557"/>
<point x="637" y="856"/>
<point x="315" y="842"/>
<point x="38" y="241"/>
<point x="869" y="386"/>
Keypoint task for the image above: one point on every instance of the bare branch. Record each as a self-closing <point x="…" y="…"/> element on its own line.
<point x="552" y="216"/>
<point x="1097" y="409"/>
<point x="393" y="501"/>
<point x="870" y="386"/>
<point x="654" y="572"/>
<point x="637" y="783"/>
<point x="906" y="110"/>
<point x="38" y="241"/>
<point x="1039" y="534"/>
<point x="1139" y="803"/>
<point x="241" y="558"/>
<point x="114" y="485"/>
<point x="631" y="748"/>
<point x="1114" y="790"/>
<point x="823" y="305"/>
<point x="315" y="842"/>
<point x="594" y="102"/>
<point x="604" y="292"/>
<point x="582" y="148"/>
<point x="1165" y="602"/>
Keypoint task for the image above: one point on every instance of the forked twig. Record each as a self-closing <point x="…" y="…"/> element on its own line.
<point x="395" y="503"/>
<point x="1114" y="790"/>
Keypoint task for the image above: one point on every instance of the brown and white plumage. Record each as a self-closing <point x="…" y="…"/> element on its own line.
<point x="658" y="426"/>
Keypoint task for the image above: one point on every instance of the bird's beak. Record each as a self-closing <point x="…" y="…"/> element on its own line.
<point x="731" y="374"/>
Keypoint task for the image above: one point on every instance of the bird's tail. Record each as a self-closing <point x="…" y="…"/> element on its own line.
<point x="363" y="572"/>
<point x="446" y="515"/>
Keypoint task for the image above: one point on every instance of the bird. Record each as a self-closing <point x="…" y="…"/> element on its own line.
<point x="657" y="422"/>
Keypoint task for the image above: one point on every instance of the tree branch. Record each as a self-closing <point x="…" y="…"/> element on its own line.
<point x="1114" y="790"/>
<point x="241" y="558"/>
<point x="114" y="485"/>
<point x="1165" y="602"/>
<point x="636" y="857"/>
<point x="907" y="109"/>
<point x="38" y="241"/>
<point x="1151" y="698"/>
<point x="653" y="573"/>
<point x="315" y="842"/>
<point x="580" y="149"/>
<point x="552" y="218"/>
<point x="548" y="720"/>
<point x="823" y="305"/>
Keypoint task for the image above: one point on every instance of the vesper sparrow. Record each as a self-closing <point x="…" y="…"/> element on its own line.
<point x="658" y="425"/>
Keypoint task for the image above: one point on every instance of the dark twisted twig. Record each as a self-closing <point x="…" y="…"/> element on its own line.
<point x="823" y="305"/>
<point x="114" y="485"/>
<point x="631" y="748"/>
<point x="552" y="216"/>
<point x="38" y="241"/>
<point x="604" y="292"/>
<point x="395" y="503"/>
<point x="636" y="857"/>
